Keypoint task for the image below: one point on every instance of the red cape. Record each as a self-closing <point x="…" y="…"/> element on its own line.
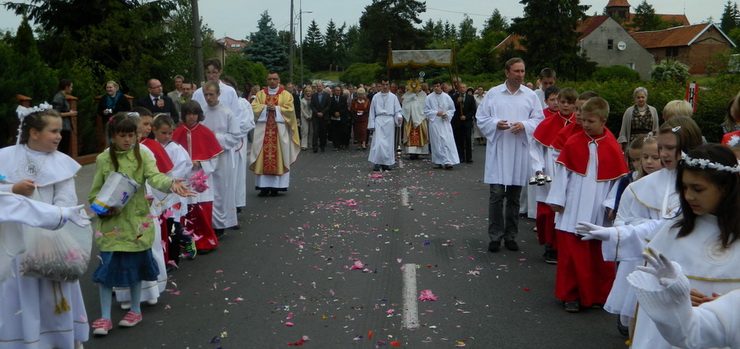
<point x="547" y="131"/>
<point x="164" y="163"/>
<point x="727" y="136"/>
<point x="203" y="144"/>
<point x="565" y="133"/>
<point x="610" y="159"/>
<point x="549" y="112"/>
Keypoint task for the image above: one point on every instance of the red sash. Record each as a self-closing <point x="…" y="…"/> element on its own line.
<point x="164" y="163"/>
<point x="198" y="140"/>
<point x="610" y="159"/>
<point x="547" y="131"/>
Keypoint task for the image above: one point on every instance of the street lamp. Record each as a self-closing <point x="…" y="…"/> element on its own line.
<point x="300" y="20"/>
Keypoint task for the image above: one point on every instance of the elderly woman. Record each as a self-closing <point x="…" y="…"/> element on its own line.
<point x="306" y="115"/>
<point x="360" y="107"/>
<point x="638" y="119"/>
<point x="112" y="102"/>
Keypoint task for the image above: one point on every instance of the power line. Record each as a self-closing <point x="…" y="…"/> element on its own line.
<point x="462" y="13"/>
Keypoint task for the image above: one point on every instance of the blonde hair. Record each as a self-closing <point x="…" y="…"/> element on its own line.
<point x="677" y="108"/>
<point x="597" y="106"/>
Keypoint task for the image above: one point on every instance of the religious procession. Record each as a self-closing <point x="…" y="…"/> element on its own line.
<point x="399" y="211"/>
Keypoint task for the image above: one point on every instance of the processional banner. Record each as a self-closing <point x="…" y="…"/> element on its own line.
<point x="420" y="58"/>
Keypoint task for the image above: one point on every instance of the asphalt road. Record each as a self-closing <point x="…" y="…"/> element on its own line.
<point x="287" y="273"/>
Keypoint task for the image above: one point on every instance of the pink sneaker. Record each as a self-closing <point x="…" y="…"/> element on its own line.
<point x="130" y="320"/>
<point x="101" y="326"/>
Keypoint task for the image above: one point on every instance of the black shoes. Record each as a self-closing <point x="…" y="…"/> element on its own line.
<point x="376" y="168"/>
<point x="511" y="245"/>
<point x="572" y="307"/>
<point x="263" y="193"/>
<point x="494" y="246"/>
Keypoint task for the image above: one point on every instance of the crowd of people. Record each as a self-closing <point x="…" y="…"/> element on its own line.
<point x="598" y="200"/>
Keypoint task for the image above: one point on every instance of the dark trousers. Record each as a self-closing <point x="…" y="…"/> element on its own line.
<point x="320" y="127"/>
<point x="463" y="141"/>
<point x="503" y="224"/>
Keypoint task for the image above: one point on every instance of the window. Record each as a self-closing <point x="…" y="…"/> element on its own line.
<point x="671" y="51"/>
<point x="610" y="44"/>
<point x="631" y="65"/>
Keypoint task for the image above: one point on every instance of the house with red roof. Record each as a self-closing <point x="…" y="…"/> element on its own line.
<point x="604" y="42"/>
<point x="694" y="45"/>
<point x="620" y="11"/>
<point x="227" y="44"/>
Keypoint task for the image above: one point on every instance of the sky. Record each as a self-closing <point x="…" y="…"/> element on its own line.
<point x="238" y="18"/>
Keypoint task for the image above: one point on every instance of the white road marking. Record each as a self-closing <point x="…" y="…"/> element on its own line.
<point x="404" y="196"/>
<point x="410" y="306"/>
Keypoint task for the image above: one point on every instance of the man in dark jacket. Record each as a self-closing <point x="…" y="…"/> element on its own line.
<point x="462" y="122"/>
<point x="157" y="102"/>
<point x="320" y="103"/>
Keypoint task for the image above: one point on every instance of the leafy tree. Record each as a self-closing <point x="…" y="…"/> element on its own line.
<point x="266" y="46"/>
<point x="23" y="73"/>
<point x="394" y="20"/>
<point x="335" y="45"/>
<point x="730" y="17"/>
<point x="244" y="70"/>
<point x="313" y="47"/>
<point x="550" y="37"/>
<point x="478" y="57"/>
<point x="735" y="37"/>
<point x="645" y="18"/>
<point x="495" y="23"/>
<point x="467" y="31"/>
<point x="362" y="73"/>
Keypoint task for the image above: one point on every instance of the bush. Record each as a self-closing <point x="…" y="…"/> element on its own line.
<point x="615" y="72"/>
<point x="712" y="105"/>
<point x="362" y="73"/>
<point x="243" y="70"/>
<point x="670" y="70"/>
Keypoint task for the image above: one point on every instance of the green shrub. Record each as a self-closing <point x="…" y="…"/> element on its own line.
<point x="362" y="73"/>
<point x="670" y="70"/>
<point x="615" y="72"/>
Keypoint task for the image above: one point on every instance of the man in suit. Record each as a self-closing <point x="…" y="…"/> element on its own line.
<point x="462" y="122"/>
<point x="157" y="102"/>
<point x="176" y="95"/>
<point x="338" y="111"/>
<point x="320" y="103"/>
<point x="291" y="88"/>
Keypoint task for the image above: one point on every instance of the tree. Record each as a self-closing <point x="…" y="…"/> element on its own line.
<point x="645" y="18"/>
<point x="313" y="47"/>
<point x="478" y="56"/>
<point x="334" y="45"/>
<point x="244" y="70"/>
<point x="266" y="47"/>
<point x="495" y="23"/>
<point x="550" y="37"/>
<point x="393" y="20"/>
<point x="467" y="32"/>
<point x="670" y="70"/>
<point x="730" y="17"/>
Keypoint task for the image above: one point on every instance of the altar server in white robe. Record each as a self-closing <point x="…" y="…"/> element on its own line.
<point x="385" y="115"/>
<point x="439" y="109"/>
<point x="246" y="124"/>
<point x="228" y="97"/>
<point x="225" y="126"/>
<point x="508" y="116"/>
<point x="664" y="294"/>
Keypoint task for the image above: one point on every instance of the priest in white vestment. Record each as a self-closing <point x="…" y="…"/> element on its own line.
<point x="416" y="129"/>
<point x="385" y="115"/>
<point x="439" y="109"/>
<point x="507" y="117"/>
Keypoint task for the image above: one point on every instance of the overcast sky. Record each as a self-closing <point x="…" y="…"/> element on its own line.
<point x="238" y="18"/>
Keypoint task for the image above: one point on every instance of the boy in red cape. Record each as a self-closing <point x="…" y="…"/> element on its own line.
<point x="589" y="165"/>
<point x="543" y="162"/>
<point x="203" y="147"/>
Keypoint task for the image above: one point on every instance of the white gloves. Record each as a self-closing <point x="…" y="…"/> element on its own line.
<point x="662" y="268"/>
<point x="589" y="231"/>
<point x="76" y="215"/>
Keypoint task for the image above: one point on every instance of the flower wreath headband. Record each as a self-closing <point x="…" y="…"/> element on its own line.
<point x="23" y="112"/>
<point x="706" y="164"/>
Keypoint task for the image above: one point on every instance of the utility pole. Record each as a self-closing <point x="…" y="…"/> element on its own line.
<point x="197" y="44"/>
<point x="292" y="41"/>
<point x="300" y="23"/>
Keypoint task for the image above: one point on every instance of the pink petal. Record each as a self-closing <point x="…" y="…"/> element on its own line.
<point x="289" y="324"/>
